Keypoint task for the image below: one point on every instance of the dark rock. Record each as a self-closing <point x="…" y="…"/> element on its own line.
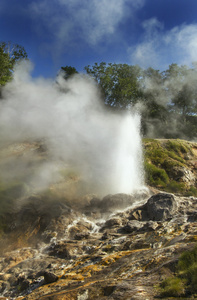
<point x="112" y="223"/>
<point x="24" y="285"/>
<point x="64" y="250"/>
<point x="3" y="286"/>
<point x="108" y="290"/>
<point x="192" y="217"/>
<point x="141" y="244"/>
<point x="105" y="236"/>
<point x="81" y="236"/>
<point x="60" y="250"/>
<point x="133" y="226"/>
<point x="95" y="202"/>
<point x="50" y="277"/>
<point x="161" y="207"/>
<point x="40" y="273"/>
<point x="82" y="227"/>
<point x="150" y="226"/>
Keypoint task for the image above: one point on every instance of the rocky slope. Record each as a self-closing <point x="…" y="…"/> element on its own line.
<point x="60" y="246"/>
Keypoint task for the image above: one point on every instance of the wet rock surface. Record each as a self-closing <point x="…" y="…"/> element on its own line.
<point x="68" y="254"/>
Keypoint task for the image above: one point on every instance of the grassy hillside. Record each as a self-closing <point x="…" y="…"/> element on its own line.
<point x="171" y="165"/>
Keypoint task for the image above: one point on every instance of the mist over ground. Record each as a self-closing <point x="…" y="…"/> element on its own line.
<point x="101" y="147"/>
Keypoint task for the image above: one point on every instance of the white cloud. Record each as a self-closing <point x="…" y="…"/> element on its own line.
<point x="185" y="41"/>
<point x="160" y="48"/>
<point x="92" y="21"/>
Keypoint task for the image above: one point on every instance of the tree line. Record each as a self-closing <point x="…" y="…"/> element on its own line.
<point x="166" y="100"/>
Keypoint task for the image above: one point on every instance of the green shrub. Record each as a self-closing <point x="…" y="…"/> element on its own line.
<point x="187" y="267"/>
<point x="192" y="277"/>
<point x="155" y="176"/>
<point x="169" y="164"/>
<point x="156" y="155"/>
<point x="186" y="278"/>
<point x="175" y="187"/>
<point x="172" y="287"/>
<point x="192" y="191"/>
<point x="177" y="146"/>
<point x="175" y="157"/>
<point x="187" y="259"/>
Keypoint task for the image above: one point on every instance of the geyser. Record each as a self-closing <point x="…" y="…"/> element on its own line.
<point x="103" y="148"/>
<point x="129" y="168"/>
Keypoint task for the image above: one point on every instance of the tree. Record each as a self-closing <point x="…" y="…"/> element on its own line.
<point x="10" y="54"/>
<point x="182" y="90"/>
<point x="119" y="83"/>
<point x="167" y="100"/>
<point x="180" y="83"/>
<point x="5" y="67"/>
<point x="68" y="71"/>
<point x="154" y="94"/>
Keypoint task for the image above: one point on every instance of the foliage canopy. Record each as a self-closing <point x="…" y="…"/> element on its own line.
<point x="10" y="54"/>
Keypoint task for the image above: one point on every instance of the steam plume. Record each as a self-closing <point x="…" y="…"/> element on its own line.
<point x="103" y="148"/>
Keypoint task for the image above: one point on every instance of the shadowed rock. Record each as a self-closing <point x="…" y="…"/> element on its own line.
<point x="50" y="277"/>
<point x="161" y="207"/>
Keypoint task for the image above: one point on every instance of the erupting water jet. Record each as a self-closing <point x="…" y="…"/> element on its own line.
<point x="129" y="158"/>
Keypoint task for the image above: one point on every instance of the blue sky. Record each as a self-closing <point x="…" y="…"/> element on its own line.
<point x="57" y="33"/>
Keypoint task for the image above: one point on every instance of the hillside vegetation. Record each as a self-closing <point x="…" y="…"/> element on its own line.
<point x="171" y="165"/>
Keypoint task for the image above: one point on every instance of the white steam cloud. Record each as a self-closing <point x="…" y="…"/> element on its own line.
<point x="160" y="48"/>
<point x="104" y="148"/>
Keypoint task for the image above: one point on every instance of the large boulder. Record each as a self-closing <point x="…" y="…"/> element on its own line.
<point x="161" y="207"/>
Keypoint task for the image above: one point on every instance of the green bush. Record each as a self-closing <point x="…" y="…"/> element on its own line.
<point x="192" y="191"/>
<point x="177" y="146"/>
<point x="155" y="176"/>
<point x="175" y="187"/>
<point x="187" y="259"/>
<point x="172" y="287"/>
<point x="186" y="277"/>
<point x="192" y="277"/>
<point x="187" y="267"/>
